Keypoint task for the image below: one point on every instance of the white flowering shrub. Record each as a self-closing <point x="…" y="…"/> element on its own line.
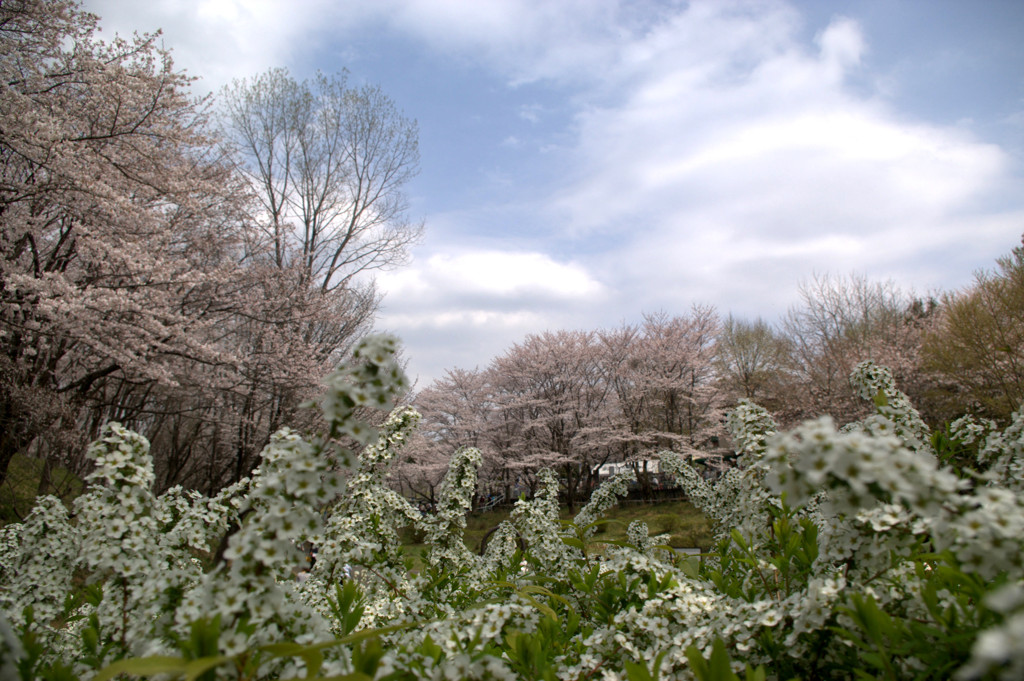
<point x="1001" y="454"/>
<point x="603" y="498"/>
<point x="37" y="579"/>
<point x="842" y="553"/>
<point x="445" y="527"/>
<point x="362" y="525"/>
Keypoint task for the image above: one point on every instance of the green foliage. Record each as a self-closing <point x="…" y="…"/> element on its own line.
<point x="23" y="484"/>
<point x="532" y="655"/>
<point x="952" y="451"/>
<point x="347" y="606"/>
<point x="718" y="667"/>
<point x="941" y="636"/>
<point x="33" y="663"/>
<point x="978" y="347"/>
<point x="638" y="671"/>
<point x="773" y="569"/>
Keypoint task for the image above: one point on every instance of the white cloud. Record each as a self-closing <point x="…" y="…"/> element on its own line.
<point x="841" y="45"/>
<point x="220" y="40"/>
<point x="525" y="39"/>
<point x="481" y="278"/>
<point x="225" y="39"/>
<point x="531" y="112"/>
<point x="463" y="307"/>
<point x="726" y="172"/>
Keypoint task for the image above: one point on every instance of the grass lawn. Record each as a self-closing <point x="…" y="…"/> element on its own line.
<point x="687" y="527"/>
<point x="18" y="493"/>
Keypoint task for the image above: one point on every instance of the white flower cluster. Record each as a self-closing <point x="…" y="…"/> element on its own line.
<point x="255" y="593"/>
<point x="141" y="564"/>
<point x="858" y="469"/>
<point x="882" y="493"/>
<point x="37" y="578"/>
<point x="739" y="500"/>
<point x="538" y="524"/>
<point x="362" y="527"/>
<point x="640" y="537"/>
<point x="894" y="412"/>
<point x="1001" y="454"/>
<point x="140" y="548"/>
<point x="373" y="380"/>
<point x="603" y="498"/>
<point x="253" y="590"/>
<point x="445" y="528"/>
<point x="750" y="426"/>
<point x="999" y="650"/>
<point x="500" y="548"/>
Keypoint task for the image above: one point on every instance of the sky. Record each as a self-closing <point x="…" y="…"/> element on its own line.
<point x="583" y="162"/>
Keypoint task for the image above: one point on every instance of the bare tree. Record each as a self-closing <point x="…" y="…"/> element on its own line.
<point x="329" y="164"/>
<point x="843" y="321"/>
<point x="752" y="360"/>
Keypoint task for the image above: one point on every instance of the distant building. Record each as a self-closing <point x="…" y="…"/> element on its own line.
<point x="608" y="470"/>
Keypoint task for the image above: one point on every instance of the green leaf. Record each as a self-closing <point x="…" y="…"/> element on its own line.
<point x="196" y="668"/>
<point x="311" y="653"/>
<point x="533" y="589"/>
<point x="431" y="649"/>
<point x="144" y="666"/>
<point x="543" y="607"/>
<point x="739" y="539"/>
<point x="719" y="663"/>
<point x="366" y="657"/>
<point x="90" y="639"/>
<point x="312" y="656"/>
<point x="689" y="566"/>
<point x="636" y="671"/>
<point x="715" y="669"/>
<point x="283" y="649"/>
<point x="574" y="542"/>
<point x="697" y="662"/>
<point x="758" y="674"/>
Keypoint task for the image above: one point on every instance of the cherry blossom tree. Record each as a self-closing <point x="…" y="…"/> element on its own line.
<point x="137" y="279"/>
<point x="572" y="401"/>
<point x="552" y="388"/>
<point x="663" y="376"/>
<point x="618" y="363"/>
<point x="680" y="354"/>
<point x="118" y="226"/>
<point x="456" y="414"/>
